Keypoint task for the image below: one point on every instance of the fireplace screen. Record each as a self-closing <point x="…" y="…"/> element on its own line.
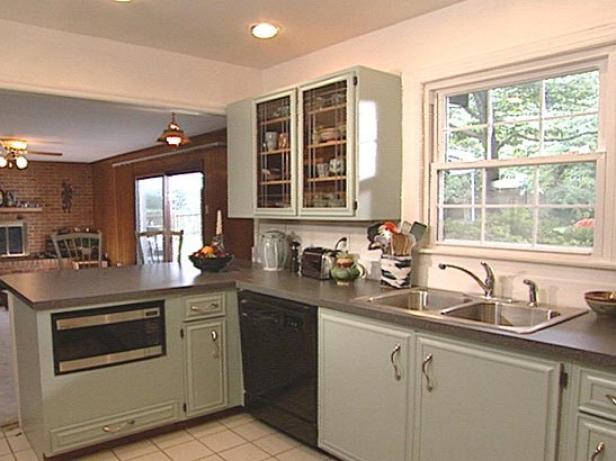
<point x="13" y="239"/>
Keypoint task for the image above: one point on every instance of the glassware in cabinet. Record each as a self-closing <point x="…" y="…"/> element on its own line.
<point x="275" y="154"/>
<point x="325" y="148"/>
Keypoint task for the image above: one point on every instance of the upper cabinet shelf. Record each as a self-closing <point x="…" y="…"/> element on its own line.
<point x="326" y="149"/>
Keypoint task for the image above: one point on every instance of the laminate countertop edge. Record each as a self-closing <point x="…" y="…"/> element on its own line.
<point x="588" y="339"/>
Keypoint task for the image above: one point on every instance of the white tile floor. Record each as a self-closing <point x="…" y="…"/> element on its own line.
<point x="234" y="438"/>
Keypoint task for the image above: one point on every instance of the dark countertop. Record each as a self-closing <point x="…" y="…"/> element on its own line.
<point x="589" y="338"/>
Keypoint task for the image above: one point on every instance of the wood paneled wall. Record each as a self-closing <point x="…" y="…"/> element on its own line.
<point x="114" y="195"/>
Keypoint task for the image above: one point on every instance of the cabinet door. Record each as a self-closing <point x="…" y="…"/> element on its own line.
<point x="596" y="440"/>
<point x="327" y="147"/>
<point x="363" y="389"/>
<point x="484" y="405"/>
<point x="275" y="151"/>
<point x="206" y="374"/>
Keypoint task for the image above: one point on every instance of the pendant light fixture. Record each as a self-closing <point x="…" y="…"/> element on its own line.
<point x="173" y="135"/>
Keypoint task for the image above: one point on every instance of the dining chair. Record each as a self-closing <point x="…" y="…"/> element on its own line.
<point x="78" y="249"/>
<point x="159" y="246"/>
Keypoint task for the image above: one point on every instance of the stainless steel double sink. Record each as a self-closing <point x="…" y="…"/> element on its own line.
<point x="499" y="313"/>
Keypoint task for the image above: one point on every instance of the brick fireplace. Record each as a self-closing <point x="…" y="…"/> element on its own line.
<point x="41" y="183"/>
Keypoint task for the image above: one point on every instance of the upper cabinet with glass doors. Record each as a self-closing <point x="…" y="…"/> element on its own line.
<point x="275" y="146"/>
<point x="326" y="139"/>
<point x="336" y="154"/>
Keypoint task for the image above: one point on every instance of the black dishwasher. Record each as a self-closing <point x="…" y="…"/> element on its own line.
<point x="279" y="357"/>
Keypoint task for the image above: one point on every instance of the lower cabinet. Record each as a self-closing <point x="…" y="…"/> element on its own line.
<point x="364" y="388"/>
<point x="596" y="439"/>
<point x="479" y="404"/>
<point x="206" y="377"/>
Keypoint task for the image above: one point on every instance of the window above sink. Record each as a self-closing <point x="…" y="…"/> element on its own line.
<point x="521" y="161"/>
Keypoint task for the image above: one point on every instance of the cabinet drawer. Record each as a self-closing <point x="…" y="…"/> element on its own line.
<point x="597" y="393"/>
<point x="211" y="305"/>
<point x="115" y="426"/>
<point x="596" y="440"/>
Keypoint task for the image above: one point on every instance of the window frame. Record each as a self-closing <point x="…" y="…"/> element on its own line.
<point x="435" y="120"/>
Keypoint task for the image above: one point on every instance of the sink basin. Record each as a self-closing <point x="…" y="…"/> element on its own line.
<point x="419" y="299"/>
<point x="518" y="318"/>
<point x="499" y="313"/>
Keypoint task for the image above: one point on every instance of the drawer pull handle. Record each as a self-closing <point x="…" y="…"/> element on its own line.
<point x="216" y="352"/>
<point x="424" y="369"/>
<point x="611" y="398"/>
<point x="112" y="429"/>
<point x="395" y="353"/>
<point x="204" y="309"/>
<point x="600" y="449"/>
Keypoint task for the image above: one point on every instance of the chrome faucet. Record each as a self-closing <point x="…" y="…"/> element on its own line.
<point x="486" y="285"/>
<point x="532" y="292"/>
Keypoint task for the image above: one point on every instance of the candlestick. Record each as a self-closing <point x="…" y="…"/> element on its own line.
<point x="219" y="222"/>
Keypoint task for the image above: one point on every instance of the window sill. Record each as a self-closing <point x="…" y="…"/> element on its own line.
<point x="568" y="260"/>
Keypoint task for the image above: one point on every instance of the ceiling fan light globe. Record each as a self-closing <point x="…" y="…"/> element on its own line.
<point x="21" y="162"/>
<point x="3" y="162"/>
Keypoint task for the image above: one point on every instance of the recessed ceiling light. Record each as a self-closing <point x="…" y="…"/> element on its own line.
<point x="264" y="30"/>
<point x="122" y="1"/>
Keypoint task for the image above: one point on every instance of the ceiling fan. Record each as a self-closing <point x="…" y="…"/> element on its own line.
<point x="15" y="151"/>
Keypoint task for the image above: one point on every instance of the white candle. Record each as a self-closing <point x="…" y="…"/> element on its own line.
<point x="219" y="222"/>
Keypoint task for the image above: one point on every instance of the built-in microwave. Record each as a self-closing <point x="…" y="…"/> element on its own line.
<point x="107" y="336"/>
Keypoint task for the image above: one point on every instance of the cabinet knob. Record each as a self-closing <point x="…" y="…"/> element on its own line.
<point x="424" y="369"/>
<point x="611" y="398"/>
<point x="598" y="450"/>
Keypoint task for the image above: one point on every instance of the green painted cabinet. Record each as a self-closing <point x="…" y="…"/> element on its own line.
<point x="365" y="376"/>
<point x="481" y="404"/>
<point x="206" y="377"/>
<point x="596" y="439"/>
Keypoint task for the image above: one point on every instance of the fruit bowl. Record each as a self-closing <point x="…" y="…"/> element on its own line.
<point x="602" y="302"/>
<point x="209" y="263"/>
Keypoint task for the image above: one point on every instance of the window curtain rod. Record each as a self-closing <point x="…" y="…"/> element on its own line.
<point x="185" y="150"/>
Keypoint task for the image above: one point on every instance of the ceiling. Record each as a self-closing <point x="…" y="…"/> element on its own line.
<point x="218" y="29"/>
<point x="86" y="130"/>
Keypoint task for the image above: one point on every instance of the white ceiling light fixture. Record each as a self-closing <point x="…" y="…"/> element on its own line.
<point x="264" y="30"/>
<point x="13" y="153"/>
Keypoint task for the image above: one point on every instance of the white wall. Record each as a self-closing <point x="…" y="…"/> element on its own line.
<point x="471" y="35"/>
<point x="45" y="60"/>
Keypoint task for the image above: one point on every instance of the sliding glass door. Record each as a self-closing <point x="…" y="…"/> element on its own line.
<point x="171" y="203"/>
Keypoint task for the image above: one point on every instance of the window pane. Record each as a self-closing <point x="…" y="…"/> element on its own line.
<point x="566" y="227"/>
<point x="185" y="202"/>
<point x="467" y="109"/>
<point x="461" y="187"/>
<point x="515" y="141"/>
<point x="467" y="145"/>
<point x="513" y="185"/>
<point x="509" y="225"/>
<point x="572" y="93"/>
<point x="150" y="204"/>
<point x="516" y="101"/>
<point x="461" y="224"/>
<point x="567" y="184"/>
<point x="571" y="135"/>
